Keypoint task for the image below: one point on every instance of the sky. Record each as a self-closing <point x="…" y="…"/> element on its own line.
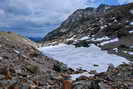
<point x="38" y="17"/>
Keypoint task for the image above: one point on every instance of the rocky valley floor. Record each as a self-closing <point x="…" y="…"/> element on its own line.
<point x="22" y="66"/>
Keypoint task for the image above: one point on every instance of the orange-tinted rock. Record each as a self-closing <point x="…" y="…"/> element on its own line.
<point x="67" y="84"/>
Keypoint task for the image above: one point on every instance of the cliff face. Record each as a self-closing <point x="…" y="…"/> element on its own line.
<point x="109" y="27"/>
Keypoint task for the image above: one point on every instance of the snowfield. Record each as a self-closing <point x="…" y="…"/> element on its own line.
<point x="82" y="57"/>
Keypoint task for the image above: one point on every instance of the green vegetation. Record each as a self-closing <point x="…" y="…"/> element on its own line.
<point x="32" y="68"/>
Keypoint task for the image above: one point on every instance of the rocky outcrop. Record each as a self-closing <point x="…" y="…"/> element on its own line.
<point x="114" y="78"/>
<point x="22" y="66"/>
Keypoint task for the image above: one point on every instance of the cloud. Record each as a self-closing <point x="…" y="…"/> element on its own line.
<point x="125" y="1"/>
<point x="39" y="11"/>
<point x="36" y="14"/>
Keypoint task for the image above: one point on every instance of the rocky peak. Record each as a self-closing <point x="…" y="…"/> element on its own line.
<point x="104" y="8"/>
<point x="78" y="16"/>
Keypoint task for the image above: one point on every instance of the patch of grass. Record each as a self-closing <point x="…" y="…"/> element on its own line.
<point x="32" y="68"/>
<point x="11" y="35"/>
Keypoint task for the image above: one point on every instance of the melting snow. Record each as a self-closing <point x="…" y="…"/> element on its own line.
<point x="102" y="27"/>
<point x="75" y="76"/>
<point x="72" y="38"/>
<point x="131" y="23"/>
<point x="131" y="53"/>
<point x="128" y="52"/>
<point x="82" y="57"/>
<point x="100" y="39"/>
<point x="110" y="41"/>
<point x="16" y="51"/>
<point x="131" y="47"/>
<point x="131" y="31"/>
<point x="131" y="11"/>
<point x="1" y="58"/>
<point x="116" y="50"/>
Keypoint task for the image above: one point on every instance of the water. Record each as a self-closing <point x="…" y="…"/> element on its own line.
<point x="35" y="39"/>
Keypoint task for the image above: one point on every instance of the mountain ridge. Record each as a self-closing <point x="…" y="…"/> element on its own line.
<point x="111" y="22"/>
<point x="83" y="14"/>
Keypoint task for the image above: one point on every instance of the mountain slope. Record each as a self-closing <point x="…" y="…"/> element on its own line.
<point x="22" y="66"/>
<point x="111" y="22"/>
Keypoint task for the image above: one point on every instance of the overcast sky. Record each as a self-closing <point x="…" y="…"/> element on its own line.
<point x="29" y="15"/>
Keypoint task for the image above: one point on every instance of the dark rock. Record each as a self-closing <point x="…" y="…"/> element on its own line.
<point x="86" y="84"/>
<point x="83" y="78"/>
<point x="60" y="67"/>
<point x="110" y="68"/>
<point x="82" y="43"/>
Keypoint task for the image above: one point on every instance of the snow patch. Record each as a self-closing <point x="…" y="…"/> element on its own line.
<point x="102" y="27"/>
<point x="131" y="31"/>
<point x="1" y="58"/>
<point x="128" y="52"/>
<point x="72" y="38"/>
<point x="82" y="57"/>
<point x="116" y="50"/>
<point x="131" y="23"/>
<point x="131" y="11"/>
<point x="75" y="76"/>
<point x="16" y="51"/>
<point x="110" y="41"/>
<point x="100" y="39"/>
<point x="131" y="47"/>
<point x="131" y="53"/>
